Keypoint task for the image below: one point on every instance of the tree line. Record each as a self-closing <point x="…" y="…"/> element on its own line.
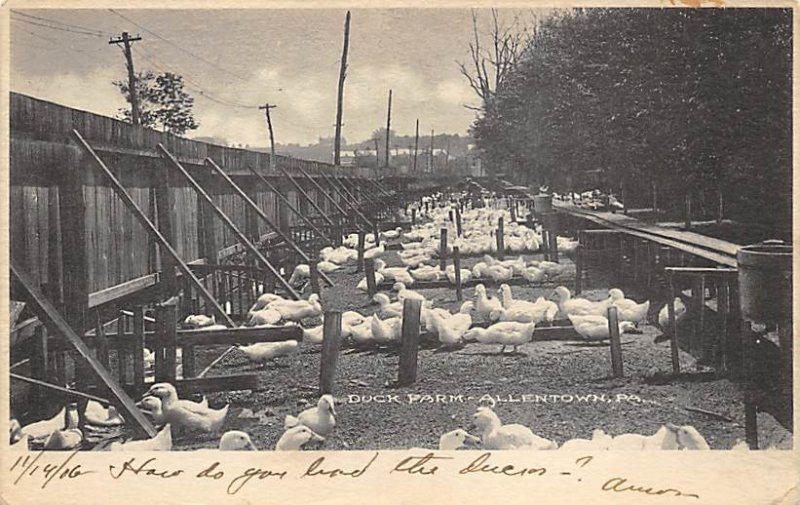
<point x="662" y="105"/>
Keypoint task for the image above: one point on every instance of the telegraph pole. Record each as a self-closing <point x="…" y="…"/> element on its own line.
<point x="416" y="145"/>
<point x="337" y="142"/>
<point x="388" y="126"/>
<point x="126" y="40"/>
<point x="430" y="162"/>
<point x="266" y="107"/>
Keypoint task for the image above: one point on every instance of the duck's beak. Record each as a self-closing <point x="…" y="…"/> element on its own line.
<point x="333" y="410"/>
<point x="472" y="439"/>
<point x="317" y="438"/>
<point x="672" y="427"/>
<point x="250" y="446"/>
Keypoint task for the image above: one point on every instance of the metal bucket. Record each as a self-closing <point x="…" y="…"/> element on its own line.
<point x="765" y="281"/>
<point x="542" y="203"/>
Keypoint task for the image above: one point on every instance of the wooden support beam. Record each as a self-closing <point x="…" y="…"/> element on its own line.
<point x="409" y="344"/>
<point x="676" y="364"/>
<point x="616" y="345"/>
<point x="148" y="225"/>
<point x="138" y="347"/>
<point x="369" y="271"/>
<point x="282" y="198"/>
<point x="305" y="195"/>
<point x="325" y="194"/>
<point x="362" y="238"/>
<point x="313" y="274"/>
<point x="252" y="249"/>
<point x="72" y="393"/>
<point x="501" y="247"/>
<point x="343" y="197"/>
<point x="457" y="267"/>
<point x="56" y="324"/>
<point x="252" y="205"/>
<point x="165" y="204"/>
<point x="331" y="342"/>
<point x="443" y="249"/>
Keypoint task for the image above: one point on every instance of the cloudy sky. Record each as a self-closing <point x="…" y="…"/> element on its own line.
<point x="234" y="60"/>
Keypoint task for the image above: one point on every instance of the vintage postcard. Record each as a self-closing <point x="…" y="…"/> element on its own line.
<point x="390" y="252"/>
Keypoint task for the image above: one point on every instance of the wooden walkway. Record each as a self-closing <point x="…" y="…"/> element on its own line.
<point x="712" y="249"/>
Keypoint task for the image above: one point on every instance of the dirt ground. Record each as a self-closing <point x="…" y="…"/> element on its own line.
<point x="561" y="390"/>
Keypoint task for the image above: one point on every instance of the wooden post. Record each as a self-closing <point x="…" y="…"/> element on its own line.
<point x="313" y="276"/>
<point x="413" y="216"/>
<point x="676" y="364"/>
<point x="699" y="295"/>
<point x="100" y="342"/>
<point x="501" y="248"/>
<point x="361" y="244"/>
<point x="513" y="208"/>
<point x="39" y="366"/>
<point x="409" y="346"/>
<point x="443" y="249"/>
<point x="723" y="300"/>
<point x="166" y="333"/>
<point x="331" y="341"/>
<point x="369" y="271"/>
<point x="457" y="267"/>
<point x="458" y="221"/>
<point x="616" y="345"/>
<point x="164" y="209"/>
<point x="138" y="347"/>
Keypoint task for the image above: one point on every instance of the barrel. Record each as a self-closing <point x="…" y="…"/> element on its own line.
<point x="542" y="203"/>
<point x="765" y="281"/>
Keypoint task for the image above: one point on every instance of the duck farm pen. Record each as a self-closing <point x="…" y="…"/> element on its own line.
<point x="268" y="287"/>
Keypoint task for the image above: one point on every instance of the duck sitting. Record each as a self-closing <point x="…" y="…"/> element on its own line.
<point x="478" y="268"/>
<point x="375" y="252"/>
<point x="385" y="332"/>
<point x="320" y="419"/>
<point x="301" y="272"/>
<point x="98" y="415"/>
<point x="498" y="273"/>
<point x="392" y="234"/>
<point x="264" y="317"/>
<point x="551" y="268"/>
<point x="533" y="274"/>
<point x="363" y="286"/>
<point x="264" y="300"/>
<point x="579" y="306"/>
<point x="451" y="330"/>
<point x="450" y="271"/>
<point x="387" y="308"/>
<point x="680" y="313"/>
<point x="199" y="321"/>
<point x="186" y="414"/>
<point x="161" y="442"/>
<point x="600" y="441"/>
<point x="236" y="441"/>
<point x="627" y="309"/>
<point x="362" y="333"/>
<point x="497" y="436"/>
<point x="295" y="438"/>
<point x="404" y="293"/>
<point x="456" y="439"/>
<point x="314" y="335"/>
<point x="42" y="429"/>
<point x="68" y="438"/>
<point x="262" y="352"/>
<point x="426" y="273"/>
<point x="690" y="439"/>
<point x="483" y="304"/>
<point x="537" y="312"/>
<point x="665" y="438"/>
<point x="295" y="310"/>
<point x="397" y="274"/>
<point x="595" y="328"/>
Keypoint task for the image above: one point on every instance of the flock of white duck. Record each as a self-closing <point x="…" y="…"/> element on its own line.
<point x="313" y="425"/>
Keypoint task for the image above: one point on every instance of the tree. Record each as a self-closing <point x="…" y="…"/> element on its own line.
<point x="162" y="102"/>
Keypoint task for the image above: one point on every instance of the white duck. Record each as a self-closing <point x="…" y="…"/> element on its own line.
<point x="450" y="271"/>
<point x="187" y="414"/>
<point x="426" y="273"/>
<point x="375" y="252"/>
<point x="320" y="419"/>
<point x="498" y="273"/>
<point x="98" y="415"/>
<point x="161" y="442"/>
<point x="327" y="267"/>
<point x="595" y="328"/>
<point x="236" y="441"/>
<point x="296" y="437"/>
<point x="627" y="309"/>
<point x="398" y="274"/>
<point x="42" y="429"/>
<point x="362" y="333"/>
<point x="680" y="313"/>
<point x="301" y="272"/>
<point x="404" y="293"/>
<point x="690" y="439"/>
<point x="456" y="439"/>
<point x="264" y="317"/>
<point x="151" y="405"/>
<point x="362" y="284"/>
<point x="533" y="274"/>
<point x="579" y="306"/>
<point x="199" y="321"/>
<point x="295" y="310"/>
<point x="537" y="312"/>
<point x="513" y="334"/>
<point x="387" y="308"/>
<point x="264" y="300"/>
<point x="451" y="330"/>
<point x="483" y="304"/>
<point x="68" y="438"/>
<point x="665" y="438"/>
<point x="385" y="332"/>
<point x="18" y="441"/>
<point x="600" y="441"/>
<point x="261" y="352"/>
<point x="314" y="335"/>
<point x="497" y="436"/>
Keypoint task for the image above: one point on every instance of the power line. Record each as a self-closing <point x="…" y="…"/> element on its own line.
<point x="59" y="43"/>
<point x="51" y="27"/>
<point x="154" y="34"/>
<point x="53" y="21"/>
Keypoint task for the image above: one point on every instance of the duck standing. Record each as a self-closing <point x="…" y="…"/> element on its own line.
<point x="320" y="419"/>
<point x="185" y="413"/>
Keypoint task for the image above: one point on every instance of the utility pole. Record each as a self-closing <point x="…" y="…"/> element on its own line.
<point x="416" y="145"/>
<point x="388" y="126"/>
<point x="430" y="161"/>
<point x="126" y="40"/>
<point x="337" y="142"/>
<point x="266" y="107"/>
